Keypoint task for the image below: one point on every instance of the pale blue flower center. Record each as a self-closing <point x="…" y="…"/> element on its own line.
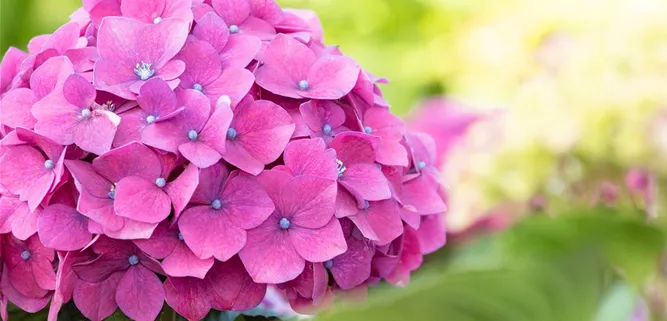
<point x="112" y="195"/>
<point x="368" y="130"/>
<point x="366" y="205"/>
<point x="134" y="260"/>
<point x="303" y="85"/>
<point x="180" y="236"/>
<point x="150" y="119"/>
<point x="328" y="264"/>
<point x="85" y="113"/>
<point x="192" y="135"/>
<point x="144" y="71"/>
<point x="234" y="29"/>
<point x="421" y="164"/>
<point x="157" y="20"/>
<point x="284" y="223"/>
<point x="216" y="204"/>
<point x="341" y="167"/>
<point x="49" y="164"/>
<point x="231" y="133"/>
<point x="326" y="129"/>
<point x="198" y="87"/>
<point x="25" y="255"/>
<point x="160" y="182"/>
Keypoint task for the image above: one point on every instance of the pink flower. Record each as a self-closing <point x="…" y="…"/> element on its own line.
<point x="310" y="290"/>
<point x="352" y="268"/>
<point x="379" y="221"/>
<point x="132" y="52"/>
<point x="154" y="11"/>
<point x="62" y="228"/>
<point x="291" y="69"/>
<point x="32" y="167"/>
<point x="257" y="135"/>
<point x="71" y="116"/>
<point x="17" y="218"/>
<point x="302" y="228"/>
<point x="235" y="49"/>
<point x="324" y="118"/>
<point x="226" y="287"/>
<point x="178" y="260"/>
<point x="197" y="133"/>
<point x="28" y="264"/>
<point x="9" y="68"/>
<point x="207" y="75"/>
<point x="227" y="205"/>
<point x="138" y="291"/>
<point x="249" y="16"/>
<point x="382" y="123"/>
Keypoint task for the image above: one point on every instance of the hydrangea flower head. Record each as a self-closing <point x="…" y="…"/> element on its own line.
<point x="203" y="154"/>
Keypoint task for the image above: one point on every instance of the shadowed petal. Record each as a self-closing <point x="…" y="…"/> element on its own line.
<point x="140" y="294"/>
<point x="97" y="301"/>
<point x="182" y="262"/>
<point x="188" y="297"/>
<point x="63" y="228"/>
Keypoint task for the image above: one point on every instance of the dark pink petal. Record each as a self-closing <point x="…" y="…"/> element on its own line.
<point x="131" y="125"/>
<point x="157" y="99"/>
<point x="63" y="228"/>
<point x="240" y="51"/>
<point x="212" y="29"/>
<point x="100" y="210"/>
<point x="216" y="127"/>
<point x="422" y="194"/>
<point x="200" y="68"/>
<point x="244" y="202"/>
<point x="311" y="157"/>
<point x="317" y="114"/>
<point x="286" y="62"/>
<point x="182" y="188"/>
<point x="273" y="182"/>
<point x="140" y="294"/>
<point x="27" y="304"/>
<point x="234" y="12"/>
<point x="383" y="219"/>
<point x="162" y="242"/>
<point x="23" y="172"/>
<point x="115" y="77"/>
<point x="201" y="155"/>
<point x="346" y="204"/>
<point x="20" y="220"/>
<point x="209" y="232"/>
<point x="331" y="77"/>
<point x="211" y="180"/>
<point x="431" y="233"/>
<point x="188" y="297"/>
<point x="366" y="182"/>
<point x="234" y="82"/>
<point x="269" y="255"/>
<point x="353" y="267"/>
<point x="321" y="244"/>
<point x="97" y="301"/>
<point x="134" y="159"/>
<point x="353" y="148"/>
<point x="308" y="201"/>
<point x="232" y="288"/>
<point x="89" y="180"/>
<point x="409" y="260"/>
<point x="182" y="262"/>
<point x="263" y="129"/>
<point x="141" y="200"/>
<point x="410" y="217"/>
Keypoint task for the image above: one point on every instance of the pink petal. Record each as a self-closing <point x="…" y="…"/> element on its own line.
<point x="162" y="242"/>
<point x="321" y="244"/>
<point x="273" y="182"/>
<point x="366" y="181"/>
<point x="353" y="148"/>
<point x="141" y="200"/>
<point x="309" y="200"/>
<point x="182" y="262"/>
<point x="21" y="221"/>
<point x="212" y="29"/>
<point x="100" y="210"/>
<point x="211" y="180"/>
<point x="27" y="304"/>
<point x="15" y="108"/>
<point x="234" y="12"/>
<point x="231" y="287"/>
<point x="188" y="297"/>
<point x="346" y="204"/>
<point x="422" y="194"/>
<point x="245" y="203"/>
<point x="140" y="294"/>
<point x="96" y="133"/>
<point x="353" y="267"/>
<point x="133" y="159"/>
<point x="269" y="255"/>
<point x="384" y="220"/>
<point x="258" y="28"/>
<point x="182" y="188"/>
<point x="132" y="230"/>
<point x="234" y="82"/>
<point x="131" y="125"/>
<point x="89" y="180"/>
<point x="10" y="66"/>
<point x="157" y="99"/>
<point x="97" y="301"/>
<point x="331" y="77"/>
<point x="23" y="173"/>
<point x="286" y="63"/>
<point x="317" y="113"/>
<point x="209" y="232"/>
<point x="392" y="153"/>
<point x="199" y="154"/>
<point x="216" y="127"/>
<point x="240" y="51"/>
<point x="63" y="228"/>
<point x="311" y="157"/>
<point x="431" y="233"/>
<point x="51" y="75"/>
<point x="200" y="68"/>
<point x="145" y="11"/>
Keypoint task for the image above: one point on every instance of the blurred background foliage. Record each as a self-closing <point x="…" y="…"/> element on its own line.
<point x="576" y="95"/>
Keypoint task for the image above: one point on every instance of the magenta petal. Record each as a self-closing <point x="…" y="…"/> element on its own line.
<point x="311" y="157"/>
<point x="201" y="155"/>
<point x="132" y="230"/>
<point x="321" y="244"/>
<point x="331" y="77"/>
<point x="157" y="99"/>
<point x="200" y="68"/>
<point x="140" y="294"/>
<point x="392" y="153"/>
<point x="353" y="148"/>
<point x="27" y="304"/>
<point x="162" y="242"/>
<point x="23" y="222"/>
<point x="353" y="267"/>
<point x="97" y="301"/>
<point x="96" y="133"/>
<point x="100" y="210"/>
<point x="10" y="66"/>
<point x="182" y="262"/>
<point x="134" y="159"/>
<point x="240" y="51"/>
<point x="210" y="184"/>
<point x="269" y="255"/>
<point x="231" y="288"/>
<point x="286" y="62"/>
<point x="212" y="29"/>
<point x="141" y="200"/>
<point x="188" y="297"/>
<point x="273" y="182"/>
<point x="145" y="11"/>
<point x="63" y="228"/>
<point x="232" y="11"/>
<point x="384" y="218"/>
<point x="234" y="82"/>
<point x="90" y="181"/>
<point x="310" y="200"/>
<point x="182" y="188"/>
<point x="132" y="122"/>
<point x="22" y="172"/>
<point x="209" y="232"/>
<point x="51" y="75"/>
<point x="422" y="194"/>
<point x="366" y="181"/>
<point x="431" y="233"/>
<point x="15" y="108"/>
<point x="244" y="202"/>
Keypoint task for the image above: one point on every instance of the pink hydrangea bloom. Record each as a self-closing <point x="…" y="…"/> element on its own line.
<point x="200" y="152"/>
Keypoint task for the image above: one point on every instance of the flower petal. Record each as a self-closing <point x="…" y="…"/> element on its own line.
<point x="321" y="244"/>
<point x="97" y="301"/>
<point x="141" y="200"/>
<point x="63" y="228"/>
<point x="140" y="294"/>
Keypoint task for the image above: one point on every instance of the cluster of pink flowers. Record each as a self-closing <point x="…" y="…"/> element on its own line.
<point x="196" y="152"/>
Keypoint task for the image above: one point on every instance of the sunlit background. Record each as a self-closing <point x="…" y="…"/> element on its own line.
<point x="573" y="97"/>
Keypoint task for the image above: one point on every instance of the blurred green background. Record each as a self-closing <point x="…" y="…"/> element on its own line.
<point x="578" y="94"/>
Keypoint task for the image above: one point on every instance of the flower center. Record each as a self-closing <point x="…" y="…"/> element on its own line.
<point x="341" y="167"/>
<point x="49" y="164"/>
<point x="326" y="129"/>
<point x="284" y="223"/>
<point x="157" y="20"/>
<point x="231" y="134"/>
<point x="198" y="87"/>
<point x="180" y="236"/>
<point x="368" y="130"/>
<point x="150" y="119"/>
<point x="134" y="260"/>
<point x="112" y="192"/>
<point x="366" y="205"/>
<point x="25" y="255"/>
<point x="421" y="164"/>
<point x="85" y="113"/>
<point x="144" y="71"/>
<point x="161" y="182"/>
<point x="192" y="135"/>
<point x="328" y="264"/>
<point x="109" y="105"/>
<point x="216" y="204"/>
<point x="303" y="84"/>
<point x="234" y="29"/>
